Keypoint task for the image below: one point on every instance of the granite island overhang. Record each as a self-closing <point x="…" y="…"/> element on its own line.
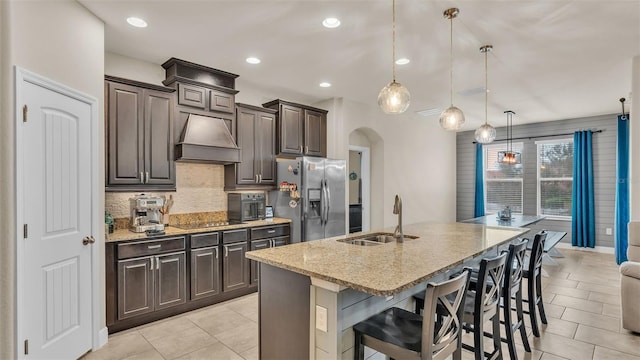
<point x="311" y="293"/>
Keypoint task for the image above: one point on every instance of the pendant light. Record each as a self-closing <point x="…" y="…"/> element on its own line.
<point x="509" y="156"/>
<point x="451" y="118"/>
<point x="394" y="98"/>
<point x="485" y="133"/>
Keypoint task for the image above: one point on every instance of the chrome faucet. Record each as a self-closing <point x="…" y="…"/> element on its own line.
<point x="397" y="209"/>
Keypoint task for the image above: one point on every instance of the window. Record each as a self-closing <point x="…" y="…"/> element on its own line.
<point x="502" y="182"/>
<point x="555" y="177"/>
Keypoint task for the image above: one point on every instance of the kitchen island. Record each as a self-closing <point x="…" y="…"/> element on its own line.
<point x="312" y="293"/>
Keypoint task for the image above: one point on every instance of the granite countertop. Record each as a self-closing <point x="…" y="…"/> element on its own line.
<point x="389" y="268"/>
<point x="126" y="234"/>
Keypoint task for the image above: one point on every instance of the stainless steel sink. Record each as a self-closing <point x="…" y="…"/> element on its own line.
<point x="373" y="239"/>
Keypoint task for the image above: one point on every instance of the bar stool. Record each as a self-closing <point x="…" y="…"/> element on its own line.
<point x="512" y="290"/>
<point x="401" y="334"/>
<point x="481" y="305"/>
<point x="533" y="274"/>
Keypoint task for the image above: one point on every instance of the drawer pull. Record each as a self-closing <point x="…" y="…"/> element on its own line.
<point x="270" y="231"/>
<point x="151" y="247"/>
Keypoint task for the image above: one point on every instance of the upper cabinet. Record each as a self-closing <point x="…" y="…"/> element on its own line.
<point x="301" y="129"/>
<point x="256" y="136"/>
<point x="139" y="136"/>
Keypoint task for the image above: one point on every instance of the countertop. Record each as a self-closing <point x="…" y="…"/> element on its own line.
<point x="389" y="268"/>
<point x="126" y="234"/>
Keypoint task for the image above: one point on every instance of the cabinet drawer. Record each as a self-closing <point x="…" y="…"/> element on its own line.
<point x="223" y="102"/>
<point x="231" y="236"/>
<point x="202" y="240"/>
<point x="190" y="95"/>
<point x="143" y="248"/>
<point x="269" y="231"/>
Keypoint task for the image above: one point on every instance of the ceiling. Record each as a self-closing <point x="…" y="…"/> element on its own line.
<point x="551" y="60"/>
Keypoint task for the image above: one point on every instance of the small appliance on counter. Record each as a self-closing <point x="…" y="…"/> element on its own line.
<point x="243" y="207"/>
<point x="146" y="215"/>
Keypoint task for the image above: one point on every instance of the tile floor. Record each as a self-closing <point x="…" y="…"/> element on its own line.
<point x="581" y="294"/>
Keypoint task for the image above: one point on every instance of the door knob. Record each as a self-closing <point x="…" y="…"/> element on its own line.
<point x="88" y="240"/>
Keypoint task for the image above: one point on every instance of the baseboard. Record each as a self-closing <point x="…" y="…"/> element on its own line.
<point x="103" y="337"/>
<point x="598" y="249"/>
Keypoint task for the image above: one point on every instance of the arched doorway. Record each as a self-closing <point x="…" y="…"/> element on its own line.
<point x="365" y="179"/>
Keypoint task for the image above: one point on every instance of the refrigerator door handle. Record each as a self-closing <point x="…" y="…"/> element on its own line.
<point x="323" y="201"/>
<point x="328" y="205"/>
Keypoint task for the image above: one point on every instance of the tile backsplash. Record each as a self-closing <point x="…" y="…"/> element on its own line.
<point x="199" y="189"/>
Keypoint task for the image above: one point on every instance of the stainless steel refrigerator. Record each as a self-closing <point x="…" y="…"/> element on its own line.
<point x="319" y="211"/>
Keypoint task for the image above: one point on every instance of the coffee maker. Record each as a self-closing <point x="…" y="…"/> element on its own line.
<point x="145" y="213"/>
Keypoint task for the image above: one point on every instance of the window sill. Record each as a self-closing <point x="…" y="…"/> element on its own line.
<point x="557" y="218"/>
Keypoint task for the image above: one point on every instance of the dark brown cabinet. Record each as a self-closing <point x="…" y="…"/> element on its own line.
<point x="149" y="278"/>
<point x="235" y="267"/>
<point x="256" y="137"/>
<point x="301" y="129"/>
<point x="205" y="98"/>
<point x="205" y="265"/>
<point x="139" y="136"/>
<point x="265" y="237"/>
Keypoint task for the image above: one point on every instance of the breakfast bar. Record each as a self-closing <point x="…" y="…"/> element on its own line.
<point x="312" y="293"/>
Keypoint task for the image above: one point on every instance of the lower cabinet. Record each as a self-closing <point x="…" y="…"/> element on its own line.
<point x="235" y="266"/>
<point x="205" y="272"/>
<point x="151" y="283"/>
<point x="266" y="237"/>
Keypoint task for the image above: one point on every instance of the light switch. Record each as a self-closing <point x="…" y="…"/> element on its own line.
<point x="608" y="231"/>
<point x="321" y="318"/>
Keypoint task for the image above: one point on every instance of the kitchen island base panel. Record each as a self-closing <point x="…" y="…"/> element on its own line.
<point x="283" y="314"/>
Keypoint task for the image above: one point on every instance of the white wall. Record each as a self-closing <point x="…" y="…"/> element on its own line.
<point x="634" y="139"/>
<point x="64" y="42"/>
<point x="413" y="157"/>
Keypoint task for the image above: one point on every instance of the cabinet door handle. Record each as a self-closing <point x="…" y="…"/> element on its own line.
<point x="152" y="266"/>
<point x="300" y="148"/>
<point x="256" y="178"/>
<point x="157" y="263"/>
<point x="216" y="249"/>
<point x="259" y="178"/>
<point x="141" y="177"/>
<point x="306" y="149"/>
<point x="273" y="243"/>
<point x="151" y="247"/>
<point x="226" y="251"/>
<point x="147" y="178"/>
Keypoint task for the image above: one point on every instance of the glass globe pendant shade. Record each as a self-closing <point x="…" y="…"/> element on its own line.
<point x="452" y="118"/>
<point x="485" y="134"/>
<point x="394" y="98"/>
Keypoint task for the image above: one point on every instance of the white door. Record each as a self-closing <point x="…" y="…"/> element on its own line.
<point x="55" y="314"/>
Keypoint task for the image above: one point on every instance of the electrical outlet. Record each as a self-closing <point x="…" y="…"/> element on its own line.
<point x="321" y="318"/>
<point x="608" y="231"/>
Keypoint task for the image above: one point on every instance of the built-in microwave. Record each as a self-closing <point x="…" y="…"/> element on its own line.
<point x="243" y="207"/>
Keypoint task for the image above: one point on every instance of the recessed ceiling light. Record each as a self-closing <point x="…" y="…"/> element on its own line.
<point x="137" y="22"/>
<point x="253" y="60"/>
<point x="403" y="61"/>
<point x="331" y="22"/>
<point x="325" y="84"/>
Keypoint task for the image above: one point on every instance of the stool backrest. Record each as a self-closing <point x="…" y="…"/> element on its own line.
<point x="443" y="337"/>
<point x="535" y="262"/>
<point x="489" y="283"/>
<point x="515" y="266"/>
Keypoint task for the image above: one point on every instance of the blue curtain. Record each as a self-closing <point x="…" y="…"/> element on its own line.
<point x="479" y="204"/>
<point x="622" y="190"/>
<point x="583" y="222"/>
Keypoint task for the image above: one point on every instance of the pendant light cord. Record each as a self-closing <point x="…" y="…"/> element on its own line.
<point x="486" y="86"/>
<point x="393" y="41"/>
<point x="451" y="59"/>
